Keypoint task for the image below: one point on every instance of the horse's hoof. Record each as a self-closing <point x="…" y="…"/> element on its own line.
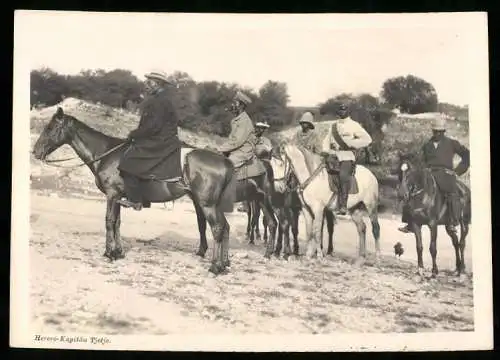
<point x="107" y="254"/>
<point x="118" y="254"/>
<point x="267" y="256"/>
<point x="259" y="238"/>
<point x="227" y="264"/>
<point x="216" y="269"/>
<point x="200" y="253"/>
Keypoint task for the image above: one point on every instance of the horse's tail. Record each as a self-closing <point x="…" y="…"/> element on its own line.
<point x="228" y="194"/>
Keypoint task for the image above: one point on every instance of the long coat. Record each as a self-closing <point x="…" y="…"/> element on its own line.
<point x="155" y="148"/>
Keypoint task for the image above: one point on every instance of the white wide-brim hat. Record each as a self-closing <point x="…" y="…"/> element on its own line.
<point x="261" y="124"/>
<point x="243" y="98"/>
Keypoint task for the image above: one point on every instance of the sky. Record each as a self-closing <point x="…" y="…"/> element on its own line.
<point x="318" y="56"/>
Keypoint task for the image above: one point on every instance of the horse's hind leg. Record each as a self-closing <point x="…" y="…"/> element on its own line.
<point x="202" y="228"/>
<point x="357" y="217"/>
<point x="265" y="226"/>
<point x="376" y="232"/>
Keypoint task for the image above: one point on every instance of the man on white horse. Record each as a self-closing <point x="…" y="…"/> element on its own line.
<point x="344" y="136"/>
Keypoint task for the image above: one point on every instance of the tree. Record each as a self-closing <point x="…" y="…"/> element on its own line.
<point x="410" y="93"/>
<point x="46" y="87"/>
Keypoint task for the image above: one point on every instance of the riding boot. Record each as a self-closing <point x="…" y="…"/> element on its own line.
<point x="406" y="219"/>
<point x="134" y="197"/>
<point x="343" y="195"/>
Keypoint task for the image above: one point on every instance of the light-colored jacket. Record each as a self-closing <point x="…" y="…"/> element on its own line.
<point x="308" y="140"/>
<point x="352" y="134"/>
<point x="240" y="144"/>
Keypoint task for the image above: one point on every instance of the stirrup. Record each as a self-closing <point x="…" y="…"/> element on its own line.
<point x="129" y="204"/>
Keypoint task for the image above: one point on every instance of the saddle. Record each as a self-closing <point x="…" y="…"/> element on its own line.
<point x="333" y="182"/>
<point x="253" y="167"/>
<point x="332" y="165"/>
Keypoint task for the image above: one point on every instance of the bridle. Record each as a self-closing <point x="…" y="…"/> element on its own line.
<point x="53" y="162"/>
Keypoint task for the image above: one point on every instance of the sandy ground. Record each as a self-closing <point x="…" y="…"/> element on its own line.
<point x="161" y="287"/>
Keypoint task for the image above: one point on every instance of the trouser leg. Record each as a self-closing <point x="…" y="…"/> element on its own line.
<point x="345" y="174"/>
<point x="132" y="190"/>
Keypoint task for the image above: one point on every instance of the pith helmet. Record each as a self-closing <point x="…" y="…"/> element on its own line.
<point x="439" y="124"/>
<point x="243" y="98"/>
<point x="307" y="118"/>
<point x="158" y="75"/>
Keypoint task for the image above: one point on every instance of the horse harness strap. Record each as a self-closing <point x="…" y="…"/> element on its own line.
<point x="100" y="157"/>
<point x="301" y="187"/>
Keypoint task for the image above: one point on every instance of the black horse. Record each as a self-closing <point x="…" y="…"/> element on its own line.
<point x="426" y="206"/>
<point x="210" y="179"/>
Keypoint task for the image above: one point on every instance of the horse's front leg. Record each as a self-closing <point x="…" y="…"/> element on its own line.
<point x="417" y="230"/>
<point x="464" y="230"/>
<point x="433" y="247"/>
<point x="119" y="253"/>
<point x="256" y="222"/>
<point x="110" y="220"/>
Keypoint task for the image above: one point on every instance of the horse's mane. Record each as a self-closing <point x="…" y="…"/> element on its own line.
<point x="92" y="130"/>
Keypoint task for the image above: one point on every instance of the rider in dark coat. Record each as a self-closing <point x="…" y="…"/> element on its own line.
<point x="438" y="154"/>
<point x="155" y="148"/>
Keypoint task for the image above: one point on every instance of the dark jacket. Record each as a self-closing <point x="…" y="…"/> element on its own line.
<point x="442" y="156"/>
<point x="155" y="148"/>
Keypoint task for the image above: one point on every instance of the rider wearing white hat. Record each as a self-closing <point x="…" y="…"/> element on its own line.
<point x="438" y="154"/>
<point x="263" y="145"/>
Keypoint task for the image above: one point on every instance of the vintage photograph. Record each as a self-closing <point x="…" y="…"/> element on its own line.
<point x="237" y="182"/>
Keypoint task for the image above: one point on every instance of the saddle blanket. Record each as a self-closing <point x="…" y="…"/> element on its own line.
<point x="354" y="189"/>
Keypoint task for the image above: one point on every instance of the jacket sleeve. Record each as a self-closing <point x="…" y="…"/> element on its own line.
<point x="152" y="118"/>
<point x="241" y="129"/>
<point x="359" y="137"/>
<point x="464" y="154"/>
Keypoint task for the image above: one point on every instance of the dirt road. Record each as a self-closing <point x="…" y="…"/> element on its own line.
<point x="161" y="287"/>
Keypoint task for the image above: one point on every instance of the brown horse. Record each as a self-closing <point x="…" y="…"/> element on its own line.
<point x="209" y="177"/>
<point x="426" y="206"/>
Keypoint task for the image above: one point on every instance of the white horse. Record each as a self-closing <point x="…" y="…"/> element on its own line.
<point x="316" y="196"/>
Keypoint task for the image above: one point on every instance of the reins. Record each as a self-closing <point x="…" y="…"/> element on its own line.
<point x="100" y="157"/>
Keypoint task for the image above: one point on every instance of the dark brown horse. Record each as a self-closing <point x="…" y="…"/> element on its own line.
<point x="426" y="206"/>
<point x="209" y="177"/>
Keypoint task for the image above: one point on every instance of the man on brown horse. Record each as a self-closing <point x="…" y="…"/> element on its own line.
<point x="155" y="149"/>
<point x="345" y="135"/>
<point x="437" y="155"/>
<point x="263" y="145"/>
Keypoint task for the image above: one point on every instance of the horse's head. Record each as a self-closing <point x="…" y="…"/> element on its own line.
<point x="55" y="134"/>
<point x="407" y="171"/>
